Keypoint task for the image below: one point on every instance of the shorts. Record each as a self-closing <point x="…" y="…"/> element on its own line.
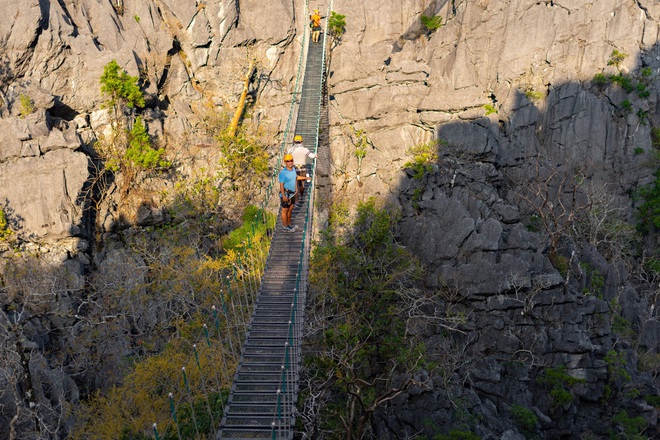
<point x="287" y="204"/>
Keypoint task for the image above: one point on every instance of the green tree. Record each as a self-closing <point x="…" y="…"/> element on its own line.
<point x="364" y="357"/>
<point x="244" y="162"/>
<point x="26" y="105"/>
<point x="120" y="88"/>
<point x="431" y="23"/>
<point x="336" y="28"/>
<point x="140" y="152"/>
<point x="616" y="58"/>
<point x="125" y="150"/>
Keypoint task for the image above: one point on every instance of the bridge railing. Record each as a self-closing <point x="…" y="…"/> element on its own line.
<point x="227" y="323"/>
<point x="287" y="393"/>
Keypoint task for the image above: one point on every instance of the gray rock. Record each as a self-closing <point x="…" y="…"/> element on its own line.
<point x="61" y="139"/>
<point x="40" y="194"/>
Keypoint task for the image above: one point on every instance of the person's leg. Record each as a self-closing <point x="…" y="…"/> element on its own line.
<point x="284" y="220"/>
<point x="288" y="214"/>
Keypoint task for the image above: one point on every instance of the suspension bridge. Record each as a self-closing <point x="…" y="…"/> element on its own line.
<point x="264" y="390"/>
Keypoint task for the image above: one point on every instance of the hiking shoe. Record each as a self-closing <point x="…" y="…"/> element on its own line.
<point x="294" y="227"/>
<point x="287" y="229"/>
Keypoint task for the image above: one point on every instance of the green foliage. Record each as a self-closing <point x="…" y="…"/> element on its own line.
<point x="642" y="91"/>
<point x="655" y="137"/>
<point x="189" y="425"/>
<point x="336" y="25"/>
<point x="632" y="427"/>
<point x="244" y="161"/>
<point x="616" y="58"/>
<point x="126" y="151"/>
<point x="120" y="88"/>
<point x="525" y="419"/>
<point x="192" y="196"/>
<point x="489" y="109"/>
<point x="136" y="18"/>
<point x="616" y="370"/>
<point x="558" y="381"/>
<point x="560" y="262"/>
<point x="254" y="220"/>
<point x="626" y="106"/>
<point x="616" y="365"/>
<point x="622" y="327"/>
<point x="5" y="231"/>
<point x="187" y="273"/>
<point x="140" y="152"/>
<point x="642" y="115"/>
<point x="652" y="400"/>
<point x="625" y="81"/>
<point x="361" y="143"/>
<point x="602" y="80"/>
<point x="649" y="210"/>
<point x="26" y="106"/>
<point x="534" y="95"/>
<point x="431" y="23"/>
<point x="356" y="277"/>
<point x="595" y="280"/>
<point x="653" y="264"/>
<point x="646" y="72"/>
<point x="534" y="224"/>
<point x="424" y="157"/>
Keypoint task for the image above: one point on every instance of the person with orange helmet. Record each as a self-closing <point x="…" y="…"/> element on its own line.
<point x="287" y="179"/>
<point x="315" y="24"/>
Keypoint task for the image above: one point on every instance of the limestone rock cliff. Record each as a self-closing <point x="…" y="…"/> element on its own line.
<point x="511" y="92"/>
<point x="509" y="89"/>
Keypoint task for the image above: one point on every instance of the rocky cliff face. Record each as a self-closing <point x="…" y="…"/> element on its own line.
<point x="508" y="88"/>
<point x="526" y="128"/>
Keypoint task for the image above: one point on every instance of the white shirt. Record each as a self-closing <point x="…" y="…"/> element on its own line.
<point x="300" y="154"/>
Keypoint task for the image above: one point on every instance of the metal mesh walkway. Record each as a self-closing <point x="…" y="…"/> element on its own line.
<point x="264" y="392"/>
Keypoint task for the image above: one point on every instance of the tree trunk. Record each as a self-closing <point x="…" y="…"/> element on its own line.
<point x="233" y="127"/>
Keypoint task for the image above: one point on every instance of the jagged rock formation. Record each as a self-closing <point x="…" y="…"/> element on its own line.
<point x="187" y="57"/>
<point x="507" y="85"/>
<point x="508" y="89"/>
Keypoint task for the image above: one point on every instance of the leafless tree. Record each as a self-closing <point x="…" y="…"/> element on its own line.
<point x="557" y="200"/>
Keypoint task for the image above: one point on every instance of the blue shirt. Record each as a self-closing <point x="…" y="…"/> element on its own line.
<point x="289" y="179"/>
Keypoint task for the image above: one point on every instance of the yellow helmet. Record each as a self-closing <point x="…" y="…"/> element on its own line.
<point x="297" y="138"/>
<point x="288" y="157"/>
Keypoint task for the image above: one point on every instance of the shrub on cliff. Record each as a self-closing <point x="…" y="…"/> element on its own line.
<point x="365" y="357"/>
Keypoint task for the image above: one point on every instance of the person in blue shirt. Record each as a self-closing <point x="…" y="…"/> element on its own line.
<point x="288" y="183"/>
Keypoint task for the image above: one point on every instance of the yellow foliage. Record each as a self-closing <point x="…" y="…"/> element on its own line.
<point x="143" y="398"/>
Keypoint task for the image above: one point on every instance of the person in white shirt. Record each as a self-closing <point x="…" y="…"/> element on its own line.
<point x="300" y="154"/>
